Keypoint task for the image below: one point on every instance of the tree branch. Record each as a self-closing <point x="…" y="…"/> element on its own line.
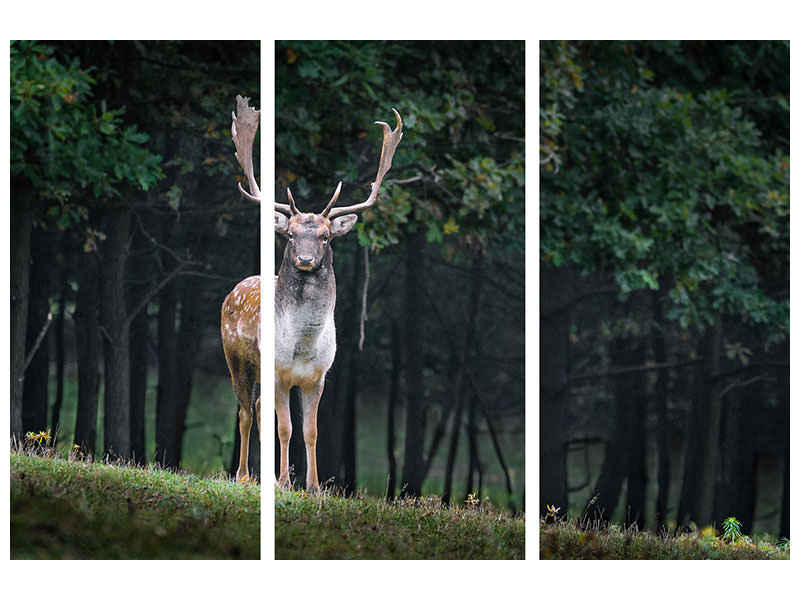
<point x="38" y="341"/>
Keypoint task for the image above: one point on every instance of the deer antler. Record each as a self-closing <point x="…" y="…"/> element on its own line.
<point x="390" y="141"/>
<point x="243" y="130"/>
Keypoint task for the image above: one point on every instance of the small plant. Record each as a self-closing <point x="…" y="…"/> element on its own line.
<point x="38" y="443"/>
<point x="552" y="513"/>
<point x="732" y="530"/>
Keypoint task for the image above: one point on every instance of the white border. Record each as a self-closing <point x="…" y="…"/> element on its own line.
<point x="501" y="19"/>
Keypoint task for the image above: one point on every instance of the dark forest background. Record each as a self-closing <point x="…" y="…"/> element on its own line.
<point x="127" y="231"/>
<point x="434" y="400"/>
<point x="664" y="284"/>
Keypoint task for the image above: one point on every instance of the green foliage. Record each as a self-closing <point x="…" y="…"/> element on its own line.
<point x="63" y="142"/>
<point x="462" y="108"/>
<point x="371" y="528"/>
<point x="732" y="530"/>
<point x="77" y="509"/>
<point x="656" y="182"/>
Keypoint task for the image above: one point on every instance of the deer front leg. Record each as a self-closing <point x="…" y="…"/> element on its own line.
<point x="284" y="431"/>
<point x="245" y="422"/>
<point x="311" y="398"/>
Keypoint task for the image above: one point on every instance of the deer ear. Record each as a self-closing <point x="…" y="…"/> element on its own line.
<point x="342" y="225"/>
<point x="281" y="224"/>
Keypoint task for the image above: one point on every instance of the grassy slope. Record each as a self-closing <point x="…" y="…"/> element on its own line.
<point x="75" y="509"/>
<point x="565" y="540"/>
<point x="370" y="528"/>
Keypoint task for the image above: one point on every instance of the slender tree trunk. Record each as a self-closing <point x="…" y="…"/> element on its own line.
<point x="34" y="398"/>
<point x="785" y="507"/>
<point x="461" y="379"/>
<point x="87" y="336"/>
<point x="637" y="452"/>
<point x="413" y="458"/>
<point x="662" y="418"/>
<point x="351" y="391"/>
<point x="117" y="430"/>
<point x="391" y="404"/>
<point x="556" y="291"/>
<point x="22" y="197"/>
<point x="736" y="491"/>
<point x="167" y="400"/>
<point x="139" y="267"/>
<point x="66" y="268"/>
<point x="702" y="459"/>
<point x="188" y="337"/>
<point x="474" y="466"/>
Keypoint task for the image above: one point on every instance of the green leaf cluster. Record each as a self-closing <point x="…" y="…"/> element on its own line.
<point x="659" y="179"/>
<point x="63" y="141"/>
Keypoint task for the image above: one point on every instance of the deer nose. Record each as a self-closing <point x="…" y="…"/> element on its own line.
<point x="304" y="261"/>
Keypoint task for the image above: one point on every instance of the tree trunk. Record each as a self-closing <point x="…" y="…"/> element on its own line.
<point x="87" y="336"/>
<point x="391" y="404"/>
<point x="413" y="458"/>
<point x="167" y="399"/>
<point x="34" y="397"/>
<point x="662" y="418"/>
<point x="188" y="337"/>
<point x="351" y="390"/>
<point x="637" y="449"/>
<point x="702" y="457"/>
<point x="63" y="287"/>
<point x="785" y="507"/>
<point x="22" y="197"/>
<point x="474" y="465"/>
<point x="736" y="489"/>
<point x="461" y="378"/>
<point x="556" y="291"/>
<point x="139" y="267"/>
<point x="116" y="346"/>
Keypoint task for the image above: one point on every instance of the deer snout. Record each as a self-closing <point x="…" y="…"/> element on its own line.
<point x="304" y="262"/>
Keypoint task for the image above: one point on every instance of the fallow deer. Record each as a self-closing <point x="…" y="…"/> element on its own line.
<point x="305" y="296"/>
<point x="241" y="310"/>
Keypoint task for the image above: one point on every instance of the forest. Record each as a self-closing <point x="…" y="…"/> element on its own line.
<point x="426" y="395"/>
<point x="127" y="231"/>
<point x="664" y="283"/>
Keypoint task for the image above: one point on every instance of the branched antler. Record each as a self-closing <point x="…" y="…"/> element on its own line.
<point x="243" y="130"/>
<point x="391" y="138"/>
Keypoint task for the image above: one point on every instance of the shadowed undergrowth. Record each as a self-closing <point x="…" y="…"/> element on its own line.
<point x="66" y="508"/>
<point x="565" y="539"/>
<point x="360" y="527"/>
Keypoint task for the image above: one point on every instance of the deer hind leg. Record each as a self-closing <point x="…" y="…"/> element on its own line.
<point x="284" y="431"/>
<point x="243" y="387"/>
<point x="245" y="423"/>
<point x="311" y="398"/>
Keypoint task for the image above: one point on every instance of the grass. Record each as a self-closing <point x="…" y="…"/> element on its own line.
<point x="70" y="508"/>
<point x="208" y="440"/>
<point x="566" y="539"/>
<point x="363" y="527"/>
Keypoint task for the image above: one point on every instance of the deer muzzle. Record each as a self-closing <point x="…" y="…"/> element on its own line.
<point x="304" y="262"/>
